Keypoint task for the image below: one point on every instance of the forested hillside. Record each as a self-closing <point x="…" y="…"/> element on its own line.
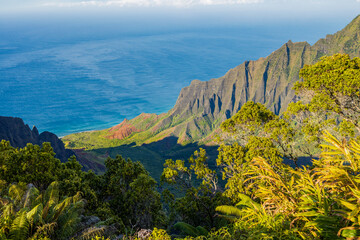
<point x="251" y="194"/>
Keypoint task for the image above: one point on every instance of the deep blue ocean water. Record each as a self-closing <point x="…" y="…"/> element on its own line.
<point x="67" y="81"/>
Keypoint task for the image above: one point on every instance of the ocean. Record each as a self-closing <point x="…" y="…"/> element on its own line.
<point x="68" y="80"/>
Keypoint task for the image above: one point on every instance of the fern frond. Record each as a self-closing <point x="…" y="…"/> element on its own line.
<point x="20" y="227"/>
<point x="52" y="193"/>
<point x="35" y="215"/>
<point x="46" y="230"/>
<point x="68" y="221"/>
<point x="16" y="193"/>
<point x="92" y="232"/>
<point x="59" y="208"/>
<point x="8" y="210"/>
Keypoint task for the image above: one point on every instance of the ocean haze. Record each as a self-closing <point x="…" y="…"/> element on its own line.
<point x="86" y="72"/>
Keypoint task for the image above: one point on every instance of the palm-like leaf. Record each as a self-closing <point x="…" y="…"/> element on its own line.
<point x="273" y="184"/>
<point x="187" y="229"/>
<point x="230" y="211"/>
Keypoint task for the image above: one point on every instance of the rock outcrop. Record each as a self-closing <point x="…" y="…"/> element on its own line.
<point x="19" y="134"/>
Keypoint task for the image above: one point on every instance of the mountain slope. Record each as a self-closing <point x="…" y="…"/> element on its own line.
<point x="19" y="134"/>
<point x="202" y="106"/>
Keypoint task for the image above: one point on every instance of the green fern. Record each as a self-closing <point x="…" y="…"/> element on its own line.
<point x="16" y="192"/>
<point x="35" y="215"/>
<point x="52" y="193"/>
<point x="47" y="218"/>
<point x="92" y="233"/>
<point x="20" y="227"/>
<point x="45" y="230"/>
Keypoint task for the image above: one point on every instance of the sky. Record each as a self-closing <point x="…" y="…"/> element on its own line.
<point x="268" y="8"/>
<point x="31" y="17"/>
<point x="156" y="3"/>
<point x="77" y="16"/>
<point x="88" y="18"/>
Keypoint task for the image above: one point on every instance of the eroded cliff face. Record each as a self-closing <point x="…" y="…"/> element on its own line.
<point x="202" y="106"/>
<point x="19" y="134"/>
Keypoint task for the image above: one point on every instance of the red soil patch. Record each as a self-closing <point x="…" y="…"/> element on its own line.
<point x="122" y="130"/>
<point x="145" y="116"/>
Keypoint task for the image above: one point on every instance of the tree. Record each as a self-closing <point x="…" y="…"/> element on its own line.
<point x="330" y="91"/>
<point x="31" y="164"/>
<point x="73" y="180"/>
<point x="252" y="132"/>
<point x="129" y="194"/>
<point x="37" y="165"/>
<point x="197" y="198"/>
<point x="264" y="132"/>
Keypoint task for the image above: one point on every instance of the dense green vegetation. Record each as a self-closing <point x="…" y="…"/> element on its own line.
<point x="44" y="198"/>
<point x="251" y="193"/>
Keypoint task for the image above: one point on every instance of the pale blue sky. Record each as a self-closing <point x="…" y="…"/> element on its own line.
<point x="319" y="6"/>
<point x="226" y="11"/>
<point x="152" y="3"/>
<point x="335" y="13"/>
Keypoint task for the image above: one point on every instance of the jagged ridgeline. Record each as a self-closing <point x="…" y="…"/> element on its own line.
<point x="19" y="134"/>
<point x="202" y="106"/>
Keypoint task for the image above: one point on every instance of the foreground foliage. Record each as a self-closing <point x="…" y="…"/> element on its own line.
<point x="320" y="202"/>
<point x="27" y="213"/>
<point x="35" y="189"/>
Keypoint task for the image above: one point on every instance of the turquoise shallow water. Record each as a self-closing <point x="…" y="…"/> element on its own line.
<point x="69" y="81"/>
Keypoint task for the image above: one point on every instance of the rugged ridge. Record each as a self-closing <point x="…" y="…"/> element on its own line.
<point x="19" y="134"/>
<point x="202" y="106"/>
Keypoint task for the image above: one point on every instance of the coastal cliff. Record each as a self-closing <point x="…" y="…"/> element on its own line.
<point x="202" y="106"/>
